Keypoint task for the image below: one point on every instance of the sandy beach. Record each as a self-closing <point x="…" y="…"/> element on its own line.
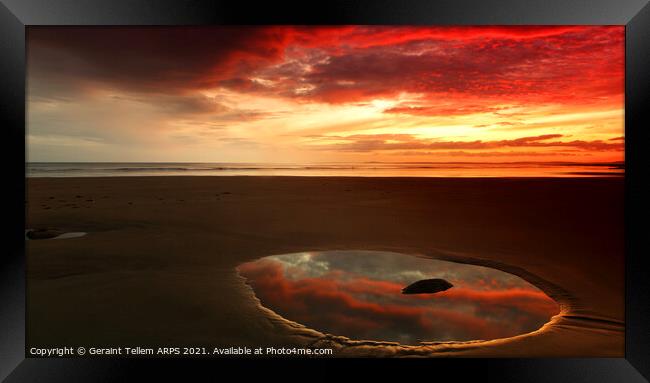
<point x="158" y="264"/>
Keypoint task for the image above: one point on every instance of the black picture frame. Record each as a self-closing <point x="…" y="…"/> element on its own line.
<point x="15" y="15"/>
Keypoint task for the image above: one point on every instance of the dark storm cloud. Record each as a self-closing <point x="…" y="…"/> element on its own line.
<point x="152" y="59"/>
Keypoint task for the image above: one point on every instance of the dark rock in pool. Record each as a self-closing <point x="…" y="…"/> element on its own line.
<point x="43" y="233"/>
<point x="427" y="286"/>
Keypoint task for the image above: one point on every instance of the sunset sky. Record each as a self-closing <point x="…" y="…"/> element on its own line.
<point x="312" y="94"/>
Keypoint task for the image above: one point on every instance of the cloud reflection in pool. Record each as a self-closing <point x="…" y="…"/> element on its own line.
<point x="358" y="294"/>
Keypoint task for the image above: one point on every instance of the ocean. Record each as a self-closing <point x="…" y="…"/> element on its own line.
<point x="365" y="169"/>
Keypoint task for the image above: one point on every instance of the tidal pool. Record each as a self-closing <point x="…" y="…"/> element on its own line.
<point x="47" y="234"/>
<point x="357" y="294"/>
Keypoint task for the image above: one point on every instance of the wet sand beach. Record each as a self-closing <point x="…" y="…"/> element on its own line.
<point x="157" y="266"/>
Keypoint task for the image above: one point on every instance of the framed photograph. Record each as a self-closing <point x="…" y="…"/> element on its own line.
<point x="455" y="187"/>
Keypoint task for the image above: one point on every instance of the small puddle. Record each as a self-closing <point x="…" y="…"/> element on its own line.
<point x="358" y="294"/>
<point x="34" y="235"/>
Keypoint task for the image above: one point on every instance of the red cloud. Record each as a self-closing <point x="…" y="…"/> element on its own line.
<point x="570" y="65"/>
<point x="566" y="64"/>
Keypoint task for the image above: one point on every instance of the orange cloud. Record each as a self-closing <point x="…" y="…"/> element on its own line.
<point x="378" y="142"/>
